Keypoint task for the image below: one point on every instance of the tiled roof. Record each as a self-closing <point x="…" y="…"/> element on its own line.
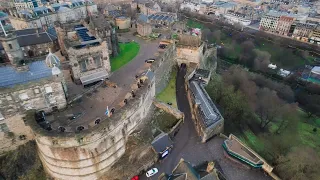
<point x="10" y="76"/>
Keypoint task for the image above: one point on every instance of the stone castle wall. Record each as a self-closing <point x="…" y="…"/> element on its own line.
<point x="162" y="67"/>
<point x="88" y="155"/>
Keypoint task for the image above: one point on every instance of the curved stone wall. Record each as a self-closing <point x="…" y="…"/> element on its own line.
<point x="89" y="154"/>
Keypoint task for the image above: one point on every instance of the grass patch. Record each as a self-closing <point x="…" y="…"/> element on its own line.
<point x="308" y="137"/>
<point x="127" y="52"/>
<point x="168" y="95"/>
<point x="163" y="120"/>
<point x="194" y="24"/>
<point x="252" y="140"/>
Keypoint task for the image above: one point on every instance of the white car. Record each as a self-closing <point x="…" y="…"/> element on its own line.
<point x="152" y="172"/>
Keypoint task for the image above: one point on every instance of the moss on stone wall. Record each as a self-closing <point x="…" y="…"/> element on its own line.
<point x="22" y="163"/>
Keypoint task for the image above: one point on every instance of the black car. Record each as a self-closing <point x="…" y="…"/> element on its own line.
<point x="162" y="46"/>
<point x="40" y="116"/>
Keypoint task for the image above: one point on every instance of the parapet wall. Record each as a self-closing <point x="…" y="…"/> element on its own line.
<point x="89" y="154"/>
<point x="163" y="65"/>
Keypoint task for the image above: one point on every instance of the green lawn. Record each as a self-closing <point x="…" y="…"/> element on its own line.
<point x="194" y="24"/>
<point x="127" y="52"/>
<point x="168" y="95"/>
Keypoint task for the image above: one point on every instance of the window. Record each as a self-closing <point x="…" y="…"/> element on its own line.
<point x="36" y="91"/>
<point x="97" y="62"/>
<point x="48" y="89"/>
<point x="9" y="98"/>
<point x="10" y="46"/>
<point x="83" y="66"/>
<point x="23" y="96"/>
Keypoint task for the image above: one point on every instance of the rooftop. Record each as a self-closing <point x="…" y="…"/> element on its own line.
<point x="85" y="37"/>
<point x="28" y="37"/>
<point x="170" y="17"/>
<point x="209" y="111"/>
<point x="161" y="142"/>
<point x="9" y="76"/>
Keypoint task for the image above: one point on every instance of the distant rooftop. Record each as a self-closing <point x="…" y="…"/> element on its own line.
<point x="28" y="37"/>
<point x="210" y="113"/>
<point x="9" y="76"/>
<point x="163" y="17"/>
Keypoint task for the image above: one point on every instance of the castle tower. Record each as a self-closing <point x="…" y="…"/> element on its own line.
<point x="12" y="48"/>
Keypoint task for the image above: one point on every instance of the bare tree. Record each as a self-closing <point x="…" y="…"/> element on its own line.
<point x="301" y="163"/>
<point x="268" y="107"/>
<point x="262" y="60"/>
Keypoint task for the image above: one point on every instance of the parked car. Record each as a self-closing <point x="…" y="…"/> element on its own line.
<point x="135" y="178"/>
<point x="162" y="46"/>
<point x="152" y="172"/>
<point x="149" y="60"/>
<point x="40" y="116"/>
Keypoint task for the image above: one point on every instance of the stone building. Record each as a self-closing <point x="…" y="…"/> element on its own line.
<point x="303" y="30"/>
<point x="37" y="85"/>
<point x="144" y="28"/>
<point x="207" y="118"/>
<point x="269" y="22"/>
<point x="33" y="43"/>
<point x="284" y="25"/>
<point x="315" y="35"/>
<point x="29" y="4"/>
<point x="123" y="22"/>
<point x="88" y="54"/>
<point x="102" y="28"/>
<point x="149" y="8"/>
<point x="190" y="49"/>
<point x="43" y="17"/>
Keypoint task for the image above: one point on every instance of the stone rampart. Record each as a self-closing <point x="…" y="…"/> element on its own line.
<point x="90" y="153"/>
<point x="162" y="67"/>
<point x="169" y="109"/>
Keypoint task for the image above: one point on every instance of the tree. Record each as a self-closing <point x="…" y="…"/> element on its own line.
<point x="313" y="88"/>
<point x="288" y="119"/>
<point x="206" y="34"/>
<point x="216" y="35"/>
<point x="300" y="163"/>
<point x="247" y="55"/>
<point x="239" y="78"/>
<point x="268" y="107"/>
<point x="262" y="60"/>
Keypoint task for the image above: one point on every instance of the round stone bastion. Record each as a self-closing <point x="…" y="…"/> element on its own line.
<point x="88" y="154"/>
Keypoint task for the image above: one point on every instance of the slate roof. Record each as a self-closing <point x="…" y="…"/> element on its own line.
<point x="10" y="76"/>
<point x="161" y="143"/>
<point x="143" y="18"/>
<point x="185" y="169"/>
<point x="209" y="111"/>
<point x="27" y="37"/>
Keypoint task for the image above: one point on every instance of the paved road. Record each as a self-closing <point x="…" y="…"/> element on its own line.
<point x="187" y="145"/>
<point x="126" y="74"/>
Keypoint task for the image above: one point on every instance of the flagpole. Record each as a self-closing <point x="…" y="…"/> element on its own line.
<point x="4" y="31"/>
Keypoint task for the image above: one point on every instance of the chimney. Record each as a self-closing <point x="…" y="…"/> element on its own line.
<point x="210" y="167"/>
